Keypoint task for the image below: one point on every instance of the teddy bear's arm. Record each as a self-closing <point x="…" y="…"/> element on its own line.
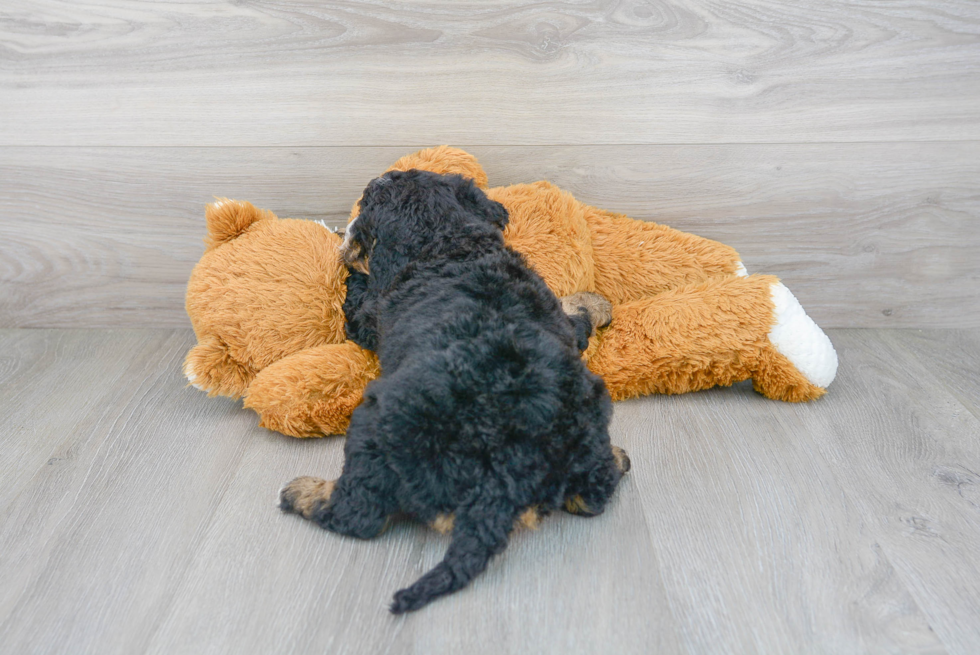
<point x="313" y="392"/>
<point x="637" y="259"/>
<point x="715" y="333"/>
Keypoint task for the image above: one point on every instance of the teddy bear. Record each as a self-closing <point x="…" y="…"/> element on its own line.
<point x="266" y="299"/>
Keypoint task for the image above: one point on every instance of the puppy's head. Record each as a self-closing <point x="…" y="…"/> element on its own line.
<point x="404" y="212"/>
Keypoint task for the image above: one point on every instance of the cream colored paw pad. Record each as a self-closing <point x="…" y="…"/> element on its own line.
<point x="800" y="340"/>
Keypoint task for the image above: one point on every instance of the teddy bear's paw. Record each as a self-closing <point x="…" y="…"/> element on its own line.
<point x="304" y="494"/>
<point x="209" y="367"/>
<point x="801" y="362"/>
<point x="191" y="376"/>
<point x="800" y="340"/>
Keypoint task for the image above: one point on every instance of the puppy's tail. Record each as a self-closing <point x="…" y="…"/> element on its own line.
<point x="479" y="533"/>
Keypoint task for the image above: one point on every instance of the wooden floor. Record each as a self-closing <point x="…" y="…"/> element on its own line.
<point x="138" y="516"/>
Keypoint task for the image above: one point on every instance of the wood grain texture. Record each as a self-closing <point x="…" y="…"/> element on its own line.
<point x="907" y="453"/>
<point x="48" y="398"/>
<point x="114" y="72"/>
<point x="865" y="234"/>
<point x="95" y="543"/>
<point x="953" y="358"/>
<point x="847" y="525"/>
<point x="573" y="585"/>
<point x="749" y="521"/>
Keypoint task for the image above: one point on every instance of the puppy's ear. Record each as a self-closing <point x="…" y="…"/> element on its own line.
<point x="472" y="198"/>
<point x="373" y="192"/>
<point x="357" y="245"/>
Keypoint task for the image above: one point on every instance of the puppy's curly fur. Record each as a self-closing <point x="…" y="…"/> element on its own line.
<point x="484" y="409"/>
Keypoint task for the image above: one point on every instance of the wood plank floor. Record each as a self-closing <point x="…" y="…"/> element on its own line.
<point x="137" y="516"/>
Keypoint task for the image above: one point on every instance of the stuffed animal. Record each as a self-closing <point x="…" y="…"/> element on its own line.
<point x="266" y="301"/>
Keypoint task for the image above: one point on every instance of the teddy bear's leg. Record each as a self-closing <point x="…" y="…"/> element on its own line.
<point x="313" y="392"/>
<point x="798" y="347"/>
<point x="637" y="259"/>
<point x="717" y="332"/>
<point x="210" y="367"/>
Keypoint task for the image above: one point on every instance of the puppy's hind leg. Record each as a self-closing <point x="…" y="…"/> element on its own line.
<point x="357" y="504"/>
<point x="304" y="493"/>
<point x="590" y="492"/>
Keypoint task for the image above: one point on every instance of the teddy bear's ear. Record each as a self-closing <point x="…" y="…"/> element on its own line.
<point x="228" y="219"/>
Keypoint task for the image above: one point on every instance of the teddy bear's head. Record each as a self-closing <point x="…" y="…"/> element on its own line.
<point x="265" y="288"/>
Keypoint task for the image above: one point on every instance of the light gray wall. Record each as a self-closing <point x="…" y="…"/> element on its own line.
<point x="836" y="145"/>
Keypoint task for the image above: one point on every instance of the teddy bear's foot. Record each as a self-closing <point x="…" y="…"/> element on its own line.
<point x="211" y="368"/>
<point x="312" y="393"/>
<point x="800" y="362"/>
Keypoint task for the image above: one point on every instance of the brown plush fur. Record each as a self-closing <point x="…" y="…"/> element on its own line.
<point x="251" y="305"/>
<point x="265" y="301"/>
<point x="674" y="353"/>
<point x="314" y="391"/>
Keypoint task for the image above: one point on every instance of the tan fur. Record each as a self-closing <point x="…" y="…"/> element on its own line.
<point x="443" y="523"/>
<point x="622" y="460"/>
<point x="529" y="518"/>
<point x="637" y="260"/>
<point x="598" y="308"/>
<point x="576" y="505"/>
<point x="302" y="494"/>
<point x="266" y="304"/>
<point x="276" y="289"/>
<point x="314" y="391"/>
<point x="229" y="219"/>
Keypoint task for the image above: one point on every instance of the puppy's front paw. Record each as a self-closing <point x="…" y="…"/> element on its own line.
<point x="302" y="495"/>
<point x="598" y="308"/>
<point x="621" y="458"/>
<point x="577" y="505"/>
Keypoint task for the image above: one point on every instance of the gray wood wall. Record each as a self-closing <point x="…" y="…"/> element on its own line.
<point x="835" y="144"/>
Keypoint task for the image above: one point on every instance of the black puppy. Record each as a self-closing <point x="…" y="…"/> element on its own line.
<point x="484" y="410"/>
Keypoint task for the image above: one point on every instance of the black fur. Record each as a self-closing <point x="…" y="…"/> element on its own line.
<point x="484" y="407"/>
